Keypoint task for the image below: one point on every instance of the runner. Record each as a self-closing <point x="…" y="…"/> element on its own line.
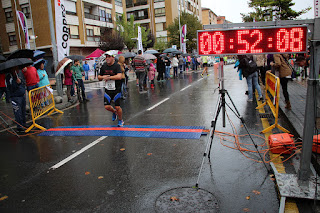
<point x="111" y="73"/>
<point x="205" y="65"/>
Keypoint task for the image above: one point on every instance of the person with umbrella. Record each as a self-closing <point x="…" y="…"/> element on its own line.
<point x="110" y="72"/>
<point x="139" y="64"/>
<point x="17" y="89"/>
<point x="77" y="76"/>
<point x="32" y="78"/>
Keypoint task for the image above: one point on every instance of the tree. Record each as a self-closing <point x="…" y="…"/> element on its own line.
<point x="129" y="31"/>
<point x="265" y="9"/>
<point x="160" y="44"/>
<point x="111" y="40"/>
<point x="193" y="24"/>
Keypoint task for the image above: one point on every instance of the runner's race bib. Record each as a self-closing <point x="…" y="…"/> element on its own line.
<point x="110" y="85"/>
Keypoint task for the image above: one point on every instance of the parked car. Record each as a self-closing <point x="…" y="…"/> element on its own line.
<point x="210" y="62"/>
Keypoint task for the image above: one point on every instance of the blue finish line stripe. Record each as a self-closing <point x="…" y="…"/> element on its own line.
<point x="183" y="132"/>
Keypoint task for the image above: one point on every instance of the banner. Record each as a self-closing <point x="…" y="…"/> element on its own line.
<point x="316" y="9"/>
<point x="62" y="32"/>
<point x="183" y="38"/>
<point x="140" y="47"/>
<point x="23" y="22"/>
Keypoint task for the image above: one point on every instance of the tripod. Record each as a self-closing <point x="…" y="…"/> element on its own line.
<point x="221" y="107"/>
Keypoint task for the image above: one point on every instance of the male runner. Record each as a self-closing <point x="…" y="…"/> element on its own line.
<point x="110" y="72"/>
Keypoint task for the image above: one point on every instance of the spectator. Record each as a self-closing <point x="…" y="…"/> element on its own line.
<point x="121" y="62"/>
<point x="139" y="64"/>
<point x="167" y="62"/>
<point x="77" y="76"/>
<point x="175" y="63"/>
<point x="86" y="69"/>
<point x="151" y="75"/>
<point x="17" y="89"/>
<point x="160" y="68"/>
<point x="261" y="61"/>
<point x="3" y="87"/>
<point x="283" y="71"/>
<point x="31" y="77"/>
<point x="43" y="76"/>
<point x="180" y="64"/>
<point x="301" y="61"/>
<point x="68" y="80"/>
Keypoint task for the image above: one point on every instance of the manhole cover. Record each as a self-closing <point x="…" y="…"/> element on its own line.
<point x="187" y="199"/>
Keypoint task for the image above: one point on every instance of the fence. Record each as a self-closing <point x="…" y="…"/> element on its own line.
<point x="41" y="101"/>
<point x="272" y="91"/>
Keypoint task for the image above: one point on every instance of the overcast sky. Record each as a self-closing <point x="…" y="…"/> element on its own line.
<point x="231" y="9"/>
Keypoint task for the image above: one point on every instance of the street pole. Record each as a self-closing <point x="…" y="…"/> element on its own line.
<point x="310" y="110"/>
<point x="54" y="49"/>
<point x="179" y="8"/>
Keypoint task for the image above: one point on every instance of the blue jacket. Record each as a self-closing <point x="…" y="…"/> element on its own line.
<point x="44" y="80"/>
<point x="15" y="89"/>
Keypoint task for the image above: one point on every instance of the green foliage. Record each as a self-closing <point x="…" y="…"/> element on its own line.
<point x="160" y="44"/>
<point x="111" y="40"/>
<point x="281" y="7"/>
<point x="129" y="30"/>
<point x="193" y="24"/>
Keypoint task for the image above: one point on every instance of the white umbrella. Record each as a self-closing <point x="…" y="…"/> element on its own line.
<point x="62" y="64"/>
<point x="148" y="56"/>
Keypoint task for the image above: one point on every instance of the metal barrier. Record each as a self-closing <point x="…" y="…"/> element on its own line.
<point x="272" y="89"/>
<point x="41" y="101"/>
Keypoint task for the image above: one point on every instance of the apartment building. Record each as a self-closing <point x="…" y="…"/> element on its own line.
<point x="209" y="17"/>
<point x="87" y="20"/>
<point x="156" y="15"/>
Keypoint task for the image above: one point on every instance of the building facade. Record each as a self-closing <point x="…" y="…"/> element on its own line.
<point x="87" y="20"/>
<point x="208" y="17"/>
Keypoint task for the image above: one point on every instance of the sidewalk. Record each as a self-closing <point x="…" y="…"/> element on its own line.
<point x="298" y="95"/>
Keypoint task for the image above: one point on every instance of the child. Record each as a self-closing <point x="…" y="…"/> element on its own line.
<point x="151" y="74"/>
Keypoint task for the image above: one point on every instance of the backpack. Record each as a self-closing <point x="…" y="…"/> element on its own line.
<point x="252" y="66"/>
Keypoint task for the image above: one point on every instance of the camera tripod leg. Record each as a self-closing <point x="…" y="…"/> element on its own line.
<point x="209" y="142"/>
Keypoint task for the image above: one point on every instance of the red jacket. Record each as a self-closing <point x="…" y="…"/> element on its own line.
<point x="31" y="76"/>
<point x="2" y="80"/>
<point x="67" y="77"/>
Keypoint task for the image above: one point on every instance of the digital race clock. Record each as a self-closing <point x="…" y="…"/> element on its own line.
<point x="253" y="41"/>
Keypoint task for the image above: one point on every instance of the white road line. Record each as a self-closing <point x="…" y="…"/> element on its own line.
<point x="185" y="88"/>
<point x="200" y="79"/>
<point x="78" y="153"/>
<point x="151" y="108"/>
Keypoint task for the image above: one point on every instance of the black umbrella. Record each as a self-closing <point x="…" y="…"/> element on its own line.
<point x="74" y="57"/>
<point x="20" y="62"/>
<point x="24" y="53"/>
<point x="2" y="58"/>
<point x="177" y="52"/>
<point x="169" y="50"/>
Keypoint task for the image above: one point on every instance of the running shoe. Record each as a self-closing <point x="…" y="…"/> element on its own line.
<point x="208" y="74"/>
<point x="114" y="116"/>
<point x="120" y="123"/>
<point x="202" y="75"/>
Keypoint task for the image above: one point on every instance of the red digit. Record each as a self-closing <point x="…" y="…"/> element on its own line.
<point x="256" y="32"/>
<point x="218" y="42"/>
<point x="283" y="40"/>
<point x="296" y="35"/>
<point x="242" y="41"/>
<point x="205" y="43"/>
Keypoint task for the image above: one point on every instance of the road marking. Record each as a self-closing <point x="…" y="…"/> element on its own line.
<point x="77" y="153"/>
<point x="200" y="79"/>
<point x="185" y="88"/>
<point x="154" y="106"/>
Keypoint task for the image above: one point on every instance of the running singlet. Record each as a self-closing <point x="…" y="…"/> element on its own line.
<point x="111" y="85"/>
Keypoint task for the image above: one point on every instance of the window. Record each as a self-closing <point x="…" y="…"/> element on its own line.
<point x="160" y="27"/>
<point x="160" y="12"/>
<point x="26" y="10"/>
<point x="12" y="39"/>
<point x="93" y="33"/>
<point x="118" y="2"/>
<point x="73" y="31"/>
<point x="108" y="17"/>
<point x="155" y="1"/>
<point x="8" y="14"/>
<point x="102" y="15"/>
<point x="70" y="7"/>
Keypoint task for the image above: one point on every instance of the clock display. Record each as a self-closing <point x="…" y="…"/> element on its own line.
<point x="253" y="41"/>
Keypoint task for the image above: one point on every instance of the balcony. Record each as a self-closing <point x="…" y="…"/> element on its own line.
<point x="133" y="3"/>
<point x="98" y="18"/>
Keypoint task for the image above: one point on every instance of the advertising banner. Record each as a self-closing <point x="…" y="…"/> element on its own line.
<point x="62" y="32"/>
<point x="23" y="22"/>
<point x="140" y="47"/>
<point x="183" y="38"/>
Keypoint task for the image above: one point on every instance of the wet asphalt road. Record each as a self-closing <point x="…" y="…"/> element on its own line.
<point x="106" y="179"/>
